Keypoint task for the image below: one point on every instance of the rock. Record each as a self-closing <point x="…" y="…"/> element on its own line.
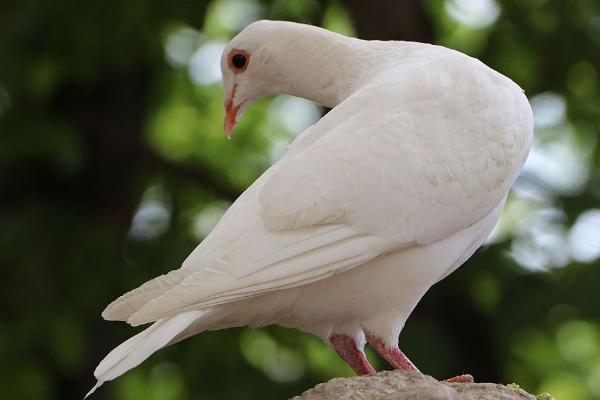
<point x="408" y="385"/>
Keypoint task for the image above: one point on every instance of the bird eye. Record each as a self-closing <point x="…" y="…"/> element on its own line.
<point x="238" y="61"/>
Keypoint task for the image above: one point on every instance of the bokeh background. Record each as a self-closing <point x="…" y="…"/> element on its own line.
<point x="114" y="165"/>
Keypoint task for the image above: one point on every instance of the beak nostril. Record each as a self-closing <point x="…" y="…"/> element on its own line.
<point x="228" y="104"/>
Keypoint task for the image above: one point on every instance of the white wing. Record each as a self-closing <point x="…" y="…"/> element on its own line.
<point x="418" y="154"/>
<point x="415" y="156"/>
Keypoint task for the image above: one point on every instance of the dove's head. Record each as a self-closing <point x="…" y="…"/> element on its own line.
<point x="248" y="66"/>
<point x="274" y="57"/>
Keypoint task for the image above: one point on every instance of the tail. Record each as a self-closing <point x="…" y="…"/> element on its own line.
<point x="136" y="349"/>
<point x="126" y="305"/>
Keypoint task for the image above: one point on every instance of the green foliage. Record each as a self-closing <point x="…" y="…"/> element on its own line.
<point x="113" y="166"/>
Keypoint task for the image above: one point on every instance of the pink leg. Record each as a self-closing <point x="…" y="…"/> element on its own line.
<point x="398" y="360"/>
<point x="346" y="348"/>
<point x="393" y="355"/>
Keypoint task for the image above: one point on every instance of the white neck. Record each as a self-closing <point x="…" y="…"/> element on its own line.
<point x="322" y="66"/>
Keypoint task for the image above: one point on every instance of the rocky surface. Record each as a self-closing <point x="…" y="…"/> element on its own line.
<point x="403" y="385"/>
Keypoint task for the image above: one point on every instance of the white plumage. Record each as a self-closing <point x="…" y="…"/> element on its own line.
<point x="387" y="194"/>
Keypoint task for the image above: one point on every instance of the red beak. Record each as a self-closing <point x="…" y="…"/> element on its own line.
<point x="230" y="113"/>
<point x="230" y="118"/>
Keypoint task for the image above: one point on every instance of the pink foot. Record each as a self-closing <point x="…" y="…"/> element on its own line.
<point x="465" y="378"/>
<point x="398" y="360"/>
<point x="346" y="348"/>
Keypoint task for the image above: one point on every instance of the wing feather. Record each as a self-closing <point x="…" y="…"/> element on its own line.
<point x="319" y="253"/>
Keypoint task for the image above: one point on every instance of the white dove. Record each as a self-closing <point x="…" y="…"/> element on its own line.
<point x="386" y="195"/>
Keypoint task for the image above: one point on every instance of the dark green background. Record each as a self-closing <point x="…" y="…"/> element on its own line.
<point x="113" y="166"/>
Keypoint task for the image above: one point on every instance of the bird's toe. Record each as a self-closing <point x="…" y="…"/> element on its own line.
<point x="464" y="378"/>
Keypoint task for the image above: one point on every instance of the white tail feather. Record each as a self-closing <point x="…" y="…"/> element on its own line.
<point x="136" y="349"/>
<point x="123" y="307"/>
